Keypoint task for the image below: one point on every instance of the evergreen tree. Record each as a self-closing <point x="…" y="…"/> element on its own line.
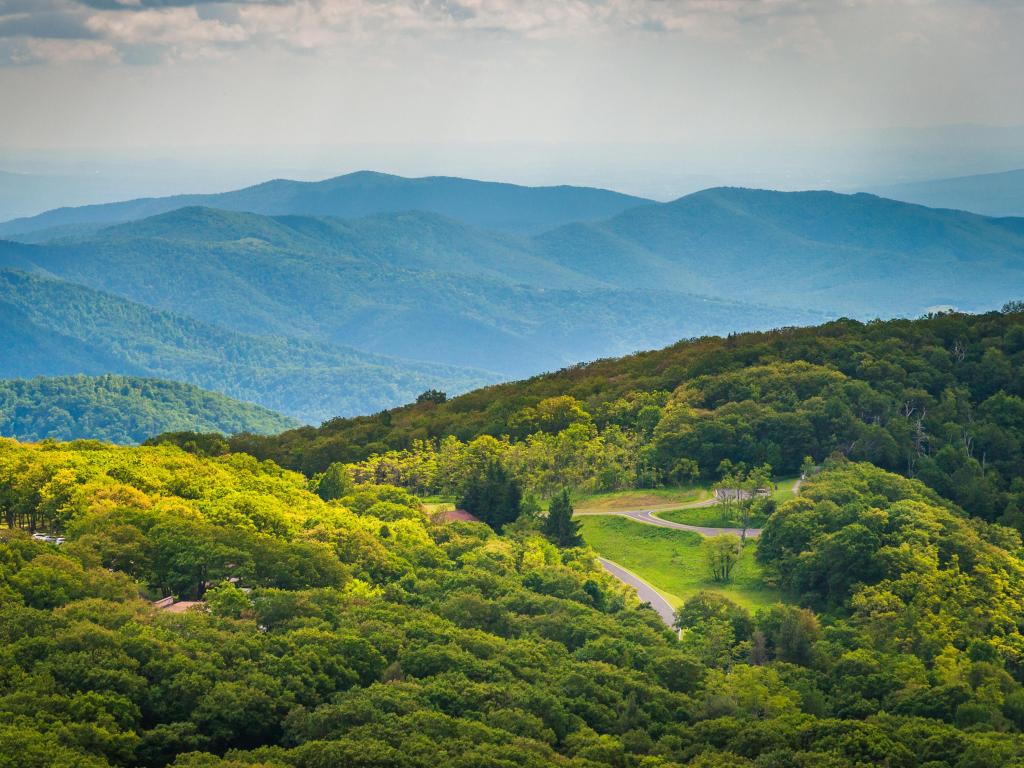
<point x="559" y="526"/>
<point x="493" y="495"/>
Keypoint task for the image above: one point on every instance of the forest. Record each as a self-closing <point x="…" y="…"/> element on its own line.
<point x="122" y="409"/>
<point x="357" y="631"/>
<point x="939" y="399"/>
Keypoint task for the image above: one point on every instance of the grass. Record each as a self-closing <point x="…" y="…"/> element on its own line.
<point x="639" y="499"/>
<point x="437" y="499"/>
<point x="785" y="489"/>
<point x="672" y="561"/>
<point x="718" y="516"/>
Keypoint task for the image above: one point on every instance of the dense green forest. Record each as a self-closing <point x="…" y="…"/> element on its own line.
<point x="53" y="328"/>
<point x="122" y="409"/>
<point x="940" y="399"/>
<point x="357" y="632"/>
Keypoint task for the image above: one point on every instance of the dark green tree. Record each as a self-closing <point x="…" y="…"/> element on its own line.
<point x="432" y="396"/>
<point x="492" y="495"/>
<point x="333" y="483"/>
<point x="559" y="525"/>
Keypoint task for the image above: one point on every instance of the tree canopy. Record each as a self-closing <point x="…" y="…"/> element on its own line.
<point x="356" y="632"/>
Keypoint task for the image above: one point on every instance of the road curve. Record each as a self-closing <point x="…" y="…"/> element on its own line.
<point x="648" y="516"/>
<point x="644" y="591"/>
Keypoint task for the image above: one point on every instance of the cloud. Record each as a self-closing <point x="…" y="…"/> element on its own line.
<point x="135" y="5"/>
<point x="153" y="30"/>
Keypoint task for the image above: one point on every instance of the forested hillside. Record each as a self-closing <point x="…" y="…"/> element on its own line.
<point x="53" y="328"/>
<point x="122" y="409"/>
<point x="940" y="399"/>
<point x="411" y="285"/>
<point x="857" y="255"/>
<point x="446" y="294"/>
<point x="356" y="632"/>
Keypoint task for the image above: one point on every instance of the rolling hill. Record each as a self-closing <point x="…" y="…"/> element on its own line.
<point x="491" y="205"/>
<point x="858" y="255"/>
<point x="52" y="328"/>
<point x="991" y="194"/>
<point x="424" y="286"/>
<point x="123" y="409"/>
<point x="412" y="285"/>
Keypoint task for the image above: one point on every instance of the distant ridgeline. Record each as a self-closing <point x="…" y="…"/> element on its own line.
<point x="122" y="409"/>
<point x="940" y="399"/>
<point x="352" y="295"/>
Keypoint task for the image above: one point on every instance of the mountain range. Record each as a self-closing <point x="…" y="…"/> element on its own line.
<point x="328" y="316"/>
<point x="493" y="205"/>
<point x="991" y="194"/>
<point x="412" y="285"/>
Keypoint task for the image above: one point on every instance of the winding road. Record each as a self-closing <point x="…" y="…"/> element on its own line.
<point x="644" y="591"/>
<point x="649" y="517"/>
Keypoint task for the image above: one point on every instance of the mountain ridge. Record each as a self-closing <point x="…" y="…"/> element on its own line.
<point x="84" y="331"/>
<point x="123" y="409"/>
<point x="999" y="194"/>
<point x="413" y="285"/>
<point x="484" y="203"/>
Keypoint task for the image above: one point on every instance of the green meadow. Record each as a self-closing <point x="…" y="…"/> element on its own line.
<point x="672" y="561"/>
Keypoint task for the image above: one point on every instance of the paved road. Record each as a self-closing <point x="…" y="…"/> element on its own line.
<point x="644" y="591"/>
<point x="648" y="516"/>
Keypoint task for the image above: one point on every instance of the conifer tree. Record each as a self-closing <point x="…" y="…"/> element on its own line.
<point x="559" y="526"/>
<point x="493" y="495"/>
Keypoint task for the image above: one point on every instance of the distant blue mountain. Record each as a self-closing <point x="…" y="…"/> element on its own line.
<point x="991" y="194"/>
<point x="491" y="205"/>
<point x="859" y="255"/>
<point x="411" y="285"/>
<point x="297" y="292"/>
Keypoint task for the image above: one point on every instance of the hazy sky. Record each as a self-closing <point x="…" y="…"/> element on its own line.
<point x="641" y="94"/>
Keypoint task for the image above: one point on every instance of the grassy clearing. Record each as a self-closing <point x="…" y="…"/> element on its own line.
<point x="437" y="499"/>
<point x="672" y="562"/>
<point x="639" y="499"/>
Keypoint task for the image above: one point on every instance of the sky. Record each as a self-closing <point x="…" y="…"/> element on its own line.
<point x="655" y="97"/>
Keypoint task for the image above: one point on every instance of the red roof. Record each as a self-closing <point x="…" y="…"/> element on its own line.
<point x="460" y="516"/>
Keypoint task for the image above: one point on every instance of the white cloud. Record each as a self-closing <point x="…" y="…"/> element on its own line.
<point x="173" y="27"/>
<point x="195" y="28"/>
